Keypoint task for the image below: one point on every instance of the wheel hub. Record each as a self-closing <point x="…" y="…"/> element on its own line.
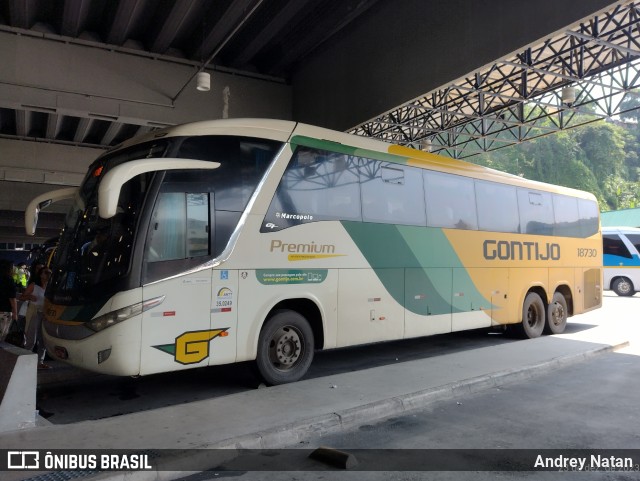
<point x="557" y="314"/>
<point x="286" y="348"/>
<point x="624" y="287"/>
<point x="532" y="316"/>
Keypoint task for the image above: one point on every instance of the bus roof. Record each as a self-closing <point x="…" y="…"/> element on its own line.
<point x="620" y="229"/>
<point x="304" y="134"/>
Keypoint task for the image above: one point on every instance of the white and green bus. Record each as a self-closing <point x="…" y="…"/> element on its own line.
<point x="233" y="240"/>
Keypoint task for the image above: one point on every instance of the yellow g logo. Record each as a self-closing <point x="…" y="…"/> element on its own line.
<point x="192" y="347"/>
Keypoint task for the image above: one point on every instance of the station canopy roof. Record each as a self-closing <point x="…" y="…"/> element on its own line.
<point x="588" y="72"/>
<point x="584" y="73"/>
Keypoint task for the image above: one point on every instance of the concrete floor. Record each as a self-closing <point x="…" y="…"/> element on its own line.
<point x="567" y="391"/>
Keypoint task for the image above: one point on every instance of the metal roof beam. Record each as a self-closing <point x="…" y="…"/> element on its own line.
<point x="53" y="126"/>
<point x="22" y="123"/>
<point x="110" y="134"/>
<point x="234" y="16"/>
<point x="180" y="11"/>
<point x="22" y="13"/>
<point x="318" y="33"/>
<point x="81" y="130"/>
<point x="126" y="16"/>
<point x="273" y="28"/>
<point x="74" y="17"/>
<point x="621" y="48"/>
<point x="109" y="85"/>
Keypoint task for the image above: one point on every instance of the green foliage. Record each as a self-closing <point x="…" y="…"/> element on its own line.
<point x="603" y="146"/>
<point x="630" y="105"/>
<point x="602" y="158"/>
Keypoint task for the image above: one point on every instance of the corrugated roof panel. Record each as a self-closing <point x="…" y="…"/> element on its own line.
<point x="626" y="217"/>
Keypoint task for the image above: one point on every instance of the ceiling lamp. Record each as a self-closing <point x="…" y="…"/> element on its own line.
<point x="203" y="82"/>
<point x="568" y="95"/>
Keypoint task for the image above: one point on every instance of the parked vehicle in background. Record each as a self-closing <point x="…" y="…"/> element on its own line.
<point x="621" y="259"/>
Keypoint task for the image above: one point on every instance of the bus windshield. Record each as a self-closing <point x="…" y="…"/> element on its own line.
<point x="93" y="250"/>
<point x="95" y="255"/>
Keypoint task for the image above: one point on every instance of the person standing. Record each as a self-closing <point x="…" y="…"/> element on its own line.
<point x="21" y="276"/>
<point x="33" y="329"/>
<point x="8" y="304"/>
<point x="33" y="271"/>
<point x="23" y="301"/>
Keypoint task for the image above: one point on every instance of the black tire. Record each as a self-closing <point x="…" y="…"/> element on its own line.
<point x="557" y="314"/>
<point x="285" y="348"/>
<point x="533" y="317"/>
<point x="623" y="287"/>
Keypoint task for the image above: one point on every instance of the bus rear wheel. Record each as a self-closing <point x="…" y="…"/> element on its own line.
<point x="623" y="287"/>
<point x="285" y="348"/>
<point x="557" y="315"/>
<point x="533" y="316"/>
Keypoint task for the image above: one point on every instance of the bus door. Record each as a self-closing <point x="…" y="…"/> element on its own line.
<point x="176" y="334"/>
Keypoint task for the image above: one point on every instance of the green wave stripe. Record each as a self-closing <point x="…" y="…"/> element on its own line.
<point x="411" y="261"/>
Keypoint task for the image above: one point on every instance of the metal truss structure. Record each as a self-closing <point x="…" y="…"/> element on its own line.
<point x="580" y="76"/>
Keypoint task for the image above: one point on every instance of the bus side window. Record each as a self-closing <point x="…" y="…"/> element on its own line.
<point x="451" y="201"/>
<point x="613" y="245"/>
<point x="317" y="185"/>
<point x="391" y="194"/>
<point x="565" y="210"/>
<point x="635" y="240"/>
<point x="166" y="232"/>
<point x="536" y="212"/>
<point x="497" y="207"/>
<point x="197" y="241"/>
<point x="589" y="220"/>
<point x="179" y="227"/>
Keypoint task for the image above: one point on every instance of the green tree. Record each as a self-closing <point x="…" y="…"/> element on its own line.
<point x="629" y="106"/>
<point x="603" y="145"/>
<point x="602" y="158"/>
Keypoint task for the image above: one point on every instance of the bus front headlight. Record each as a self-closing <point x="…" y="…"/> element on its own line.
<point x="114" y="317"/>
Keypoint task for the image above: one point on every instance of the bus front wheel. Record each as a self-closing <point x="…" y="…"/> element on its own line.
<point x="623" y="287"/>
<point x="285" y="348"/>
<point x="557" y="315"/>
<point x="533" y="316"/>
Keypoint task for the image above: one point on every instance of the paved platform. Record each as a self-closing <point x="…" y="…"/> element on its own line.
<point x="282" y="416"/>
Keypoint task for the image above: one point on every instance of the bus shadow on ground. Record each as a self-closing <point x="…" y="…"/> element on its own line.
<point x="81" y="396"/>
<point x="575" y="327"/>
